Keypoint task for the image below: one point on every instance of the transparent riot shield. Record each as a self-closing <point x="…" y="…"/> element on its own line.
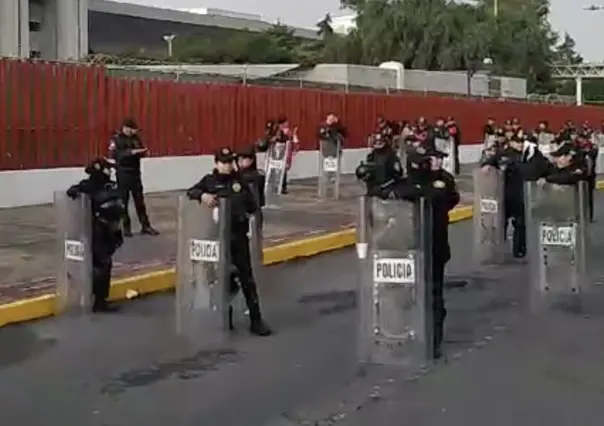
<point x="329" y="168"/>
<point x="203" y="270"/>
<point x="395" y="294"/>
<point x="255" y="236"/>
<point x="557" y="239"/>
<point x="545" y="142"/>
<point x="446" y="146"/>
<point x="489" y="215"/>
<point x="275" y="169"/>
<point x="74" y="235"/>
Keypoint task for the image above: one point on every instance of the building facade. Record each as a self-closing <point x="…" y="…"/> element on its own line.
<point x="71" y="29"/>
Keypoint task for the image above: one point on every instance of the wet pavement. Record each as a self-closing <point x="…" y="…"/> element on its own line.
<point x="504" y="365"/>
<point x="28" y="247"/>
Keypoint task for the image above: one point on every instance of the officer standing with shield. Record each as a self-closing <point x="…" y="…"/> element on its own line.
<point x="225" y="182"/>
<point x="107" y="212"/>
<point x="427" y="180"/>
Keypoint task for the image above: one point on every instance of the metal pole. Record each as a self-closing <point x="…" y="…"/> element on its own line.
<point x="496" y="8"/>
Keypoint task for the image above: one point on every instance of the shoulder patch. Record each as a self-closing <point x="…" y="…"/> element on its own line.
<point x="236" y="187"/>
<point x="438" y="184"/>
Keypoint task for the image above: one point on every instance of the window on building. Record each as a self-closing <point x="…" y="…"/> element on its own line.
<point x="35" y="54"/>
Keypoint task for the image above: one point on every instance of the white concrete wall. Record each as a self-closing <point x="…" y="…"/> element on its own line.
<point x="14" y="28"/>
<point x="32" y="187"/>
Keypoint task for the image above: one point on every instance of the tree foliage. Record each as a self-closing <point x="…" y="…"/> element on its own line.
<point x="421" y="34"/>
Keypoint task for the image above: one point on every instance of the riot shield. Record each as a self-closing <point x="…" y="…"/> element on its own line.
<point x="395" y="293"/>
<point x="203" y="270"/>
<point x="545" y="142"/>
<point x="255" y="236"/>
<point x="275" y="165"/>
<point x="489" y="215"/>
<point x="557" y="241"/>
<point x="74" y="235"/>
<point x="329" y="168"/>
<point x="446" y="146"/>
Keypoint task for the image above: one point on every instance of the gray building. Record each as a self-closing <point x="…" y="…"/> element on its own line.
<point x="70" y="29"/>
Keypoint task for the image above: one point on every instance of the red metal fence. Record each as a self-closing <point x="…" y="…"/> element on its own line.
<point x="54" y="115"/>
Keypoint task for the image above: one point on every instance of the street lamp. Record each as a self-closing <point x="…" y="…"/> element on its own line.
<point x="169" y="39"/>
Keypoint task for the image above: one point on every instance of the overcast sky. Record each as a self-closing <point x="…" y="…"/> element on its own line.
<point x="567" y="15"/>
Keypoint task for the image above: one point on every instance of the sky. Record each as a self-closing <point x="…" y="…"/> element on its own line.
<point x="587" y="28"/>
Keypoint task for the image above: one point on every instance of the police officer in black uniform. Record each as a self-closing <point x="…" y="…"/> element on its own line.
<point x="569" y="167"/>
<point x="225" y="182"/>
<point x="254" y="178"/>
<point x="107" y="210"/>
<point x="127" y="149"/>
<point x="521" y="161"/>
<point x="384" y="164"/>
<point x="428" y="179"/>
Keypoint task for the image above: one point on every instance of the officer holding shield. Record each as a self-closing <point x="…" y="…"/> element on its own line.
<point x="107" y="213"/>
<point x="223" y="181"/>
<point x="427" y="179"/>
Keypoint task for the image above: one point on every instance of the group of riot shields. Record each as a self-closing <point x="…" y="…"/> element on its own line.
<point x="329" y="170"/>
<point x="204" y="270"/>
<point x="556" y="219"/>
<point x="205" y="288"/>
<point x="394" y="246"/>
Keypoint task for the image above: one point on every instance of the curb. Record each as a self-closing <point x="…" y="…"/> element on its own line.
<point x="161" y="281"/>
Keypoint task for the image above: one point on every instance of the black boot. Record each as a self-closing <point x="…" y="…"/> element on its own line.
<point x="127" y="232"/>
<point x="103" y="306"/>
<point x="149" y="230"/>
<point x="259" y="328"/>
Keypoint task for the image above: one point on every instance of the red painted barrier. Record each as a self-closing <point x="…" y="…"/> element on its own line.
<point x="54" y="115"/>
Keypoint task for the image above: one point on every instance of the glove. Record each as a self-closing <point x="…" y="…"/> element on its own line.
<point x="73" y="193"/>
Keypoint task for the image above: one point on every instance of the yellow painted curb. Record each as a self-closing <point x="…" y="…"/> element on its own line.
<point x="159" y="281"/>
<point x="154" y="282"/>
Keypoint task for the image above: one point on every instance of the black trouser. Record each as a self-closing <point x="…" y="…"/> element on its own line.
<point x="131" y="183"/>
<point x="591" y="183"/>
<point x="456" y="154"/>
<point x="244" y="276"/>
<point x="438" y="301"/>
<point x="284" y="184"/>
<point x="101" y="278"/>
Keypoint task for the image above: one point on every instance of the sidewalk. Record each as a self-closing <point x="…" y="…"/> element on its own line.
<point x="28" y="246"/>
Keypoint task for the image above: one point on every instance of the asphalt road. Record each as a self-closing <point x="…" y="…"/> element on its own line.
<point x="504" y="366"/>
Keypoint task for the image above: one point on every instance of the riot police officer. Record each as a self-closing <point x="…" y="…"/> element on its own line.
<point x="385" y="166"/>
<point x="223" y="181"/>
<point x="127" y="149"/>
<point x="428" y="179"/>
<point x="569" y="168"/>
<point x="107" y="210"/>
<point x="254" y="178"/>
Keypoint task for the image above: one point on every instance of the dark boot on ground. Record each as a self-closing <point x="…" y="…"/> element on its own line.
<point x="259" y="328"/>
<point x="149" y="230"/>
<point x="127" y="232"/>
<point x="104" y="307"/>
